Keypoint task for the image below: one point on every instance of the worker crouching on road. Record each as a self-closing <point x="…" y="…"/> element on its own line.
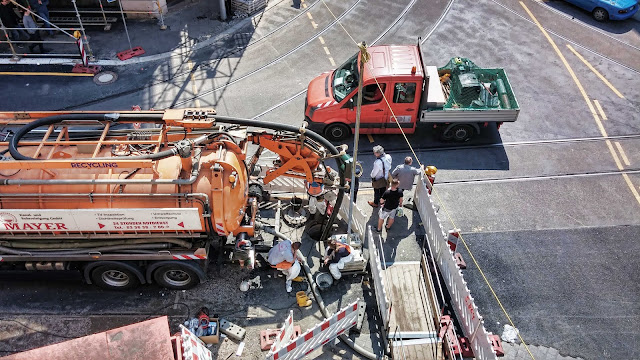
<point x="283" y="257"/>
<point x="337" y="254"/>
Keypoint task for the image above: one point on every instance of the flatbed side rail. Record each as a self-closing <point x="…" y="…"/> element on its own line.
<point x="465" y="308"/>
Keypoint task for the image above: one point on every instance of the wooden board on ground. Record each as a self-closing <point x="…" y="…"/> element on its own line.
<point x="411" y="317"/>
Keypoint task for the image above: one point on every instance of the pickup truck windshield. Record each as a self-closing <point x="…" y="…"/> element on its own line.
<point x="345" y="78"/>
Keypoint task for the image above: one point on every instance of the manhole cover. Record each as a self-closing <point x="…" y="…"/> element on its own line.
<point x="105" y="77"/>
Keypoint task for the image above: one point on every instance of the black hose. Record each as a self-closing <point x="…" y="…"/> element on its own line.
<point x="113" y="117"/>
<point x="311" y="134"/>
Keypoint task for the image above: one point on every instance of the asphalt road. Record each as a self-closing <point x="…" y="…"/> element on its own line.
<point x="547" y="205"/>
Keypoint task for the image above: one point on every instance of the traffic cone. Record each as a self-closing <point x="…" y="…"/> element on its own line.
<point x="303" y="299"/>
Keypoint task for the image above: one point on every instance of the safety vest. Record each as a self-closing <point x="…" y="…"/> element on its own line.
<point x="340" y="245"/>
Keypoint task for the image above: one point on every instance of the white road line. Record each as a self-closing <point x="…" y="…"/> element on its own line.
<point x="175" y="302"/>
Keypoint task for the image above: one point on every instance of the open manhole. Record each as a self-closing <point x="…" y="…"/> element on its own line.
<point x="105" y="77"/>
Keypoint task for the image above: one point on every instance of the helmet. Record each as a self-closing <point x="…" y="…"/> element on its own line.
<point x="431" y="170"/>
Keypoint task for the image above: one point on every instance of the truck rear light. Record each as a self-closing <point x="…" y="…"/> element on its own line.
<point x="413" y="70"/>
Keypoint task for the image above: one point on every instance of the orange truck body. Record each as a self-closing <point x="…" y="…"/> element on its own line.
<point x="132" y="199"/>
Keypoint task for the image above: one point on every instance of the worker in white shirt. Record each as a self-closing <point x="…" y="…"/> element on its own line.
<point x="283" y="257"/>
<point x="380" y="174"/>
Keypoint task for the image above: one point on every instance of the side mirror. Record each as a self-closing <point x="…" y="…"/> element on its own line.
<point x="350" y="104"/>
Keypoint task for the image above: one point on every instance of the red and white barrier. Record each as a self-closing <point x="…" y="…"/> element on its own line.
<point x="468" y="316"/>
<point x="189" y="257"/>
<point x="83" y="53"/>
<point x="192" y="347"/>
<point x="285" y="336"/>
<point x="319" y="335"/>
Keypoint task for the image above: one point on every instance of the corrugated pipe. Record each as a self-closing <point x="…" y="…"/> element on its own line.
<point x="314" y="289"/>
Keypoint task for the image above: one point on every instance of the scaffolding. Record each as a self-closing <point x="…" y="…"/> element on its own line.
<point x="68" y="26"/>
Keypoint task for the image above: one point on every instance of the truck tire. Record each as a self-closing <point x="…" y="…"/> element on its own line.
<point x="337" y="131"/>
<point x="114" y="276"/>
<point x="176" y="277"/>
<point x="459" y="133"/>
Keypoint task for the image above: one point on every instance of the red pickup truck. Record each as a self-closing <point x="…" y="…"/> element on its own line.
<point x="459" y="99"/>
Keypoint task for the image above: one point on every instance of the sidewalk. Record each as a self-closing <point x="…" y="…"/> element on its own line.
<point x="191" y="25"/>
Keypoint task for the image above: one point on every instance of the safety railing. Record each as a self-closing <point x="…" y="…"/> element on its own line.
<point x="464" y="306"/>
<point x="359" y="219"/>
<point x="379" y="283"/>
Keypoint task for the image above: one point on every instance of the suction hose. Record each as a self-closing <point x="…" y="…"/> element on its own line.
<point x="113" y="117"/>
<point x="314" y="289"/>
<point x="311" y="134"/>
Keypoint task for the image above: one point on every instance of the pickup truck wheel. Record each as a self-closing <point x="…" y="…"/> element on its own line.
<point x="337" y="131"/>
<point x="176" y="277"/>
<point x="114" y="277"/>
<point x="462" y="133"/>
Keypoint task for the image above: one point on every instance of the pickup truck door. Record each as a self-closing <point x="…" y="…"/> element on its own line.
<point x="405" y="102"/>
<point x="374" y="109"/>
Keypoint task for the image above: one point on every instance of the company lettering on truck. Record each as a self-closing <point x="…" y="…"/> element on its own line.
<point x="91" y="165"/>
<point x="35" y="226"/>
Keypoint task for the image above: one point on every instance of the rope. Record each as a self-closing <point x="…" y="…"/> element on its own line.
<point x="504" y="311"/>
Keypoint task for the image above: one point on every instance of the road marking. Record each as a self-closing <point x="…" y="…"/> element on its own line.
<point x="586" y="99"/>
<point x="326" y="50"/>
<point x="43" y="73"/>
<point x="304" y="5"/>
<point x="602" y="114"/>
<point x="194" y="87"/>
<point x="622" y="154"/>
<point x="333" y="63"/>
<point x="309" y="16"/>
<point x="313" y="23"/>
<point x="321" y="40"/>
<point x="370" y="138"/>
<point x="175" y="302"/>
<point x="598" y="74"/>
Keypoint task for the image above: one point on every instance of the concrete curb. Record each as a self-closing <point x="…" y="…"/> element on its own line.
<point x="135" y="60"/>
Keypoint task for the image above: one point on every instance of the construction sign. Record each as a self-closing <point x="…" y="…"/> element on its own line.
<point x="319" y="335"/>
<point x="63" y="220"/>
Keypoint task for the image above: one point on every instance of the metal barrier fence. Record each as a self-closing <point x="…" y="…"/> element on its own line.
<point x="359" y="221"/>
<point x="384" y="303"/>
<point x="318" y="335"/>
<point x="464" y="306"/>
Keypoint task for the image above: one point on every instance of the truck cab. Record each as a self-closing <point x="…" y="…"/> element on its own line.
<point x="397" y="71"/>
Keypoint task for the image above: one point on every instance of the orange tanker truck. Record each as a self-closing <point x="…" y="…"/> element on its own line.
<point x="128" y="198"/>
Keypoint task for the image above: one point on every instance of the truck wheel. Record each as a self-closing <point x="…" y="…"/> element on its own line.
<point x="176" y="277"/>
<point x="337" y="131"/>
<point x="462" y="133"/>
<point x="114" y="277"/>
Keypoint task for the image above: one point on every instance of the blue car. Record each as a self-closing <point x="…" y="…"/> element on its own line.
<point x="603" y="10"/>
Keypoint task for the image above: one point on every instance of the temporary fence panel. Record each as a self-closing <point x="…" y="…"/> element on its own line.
<point x="464" y="306"/>
<point x="384" y="305"/>
<point x="285" y="335"/>
<point x="193" y="348"/>
<point x="358" y="220"/>
<point x="319" y="335"/>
